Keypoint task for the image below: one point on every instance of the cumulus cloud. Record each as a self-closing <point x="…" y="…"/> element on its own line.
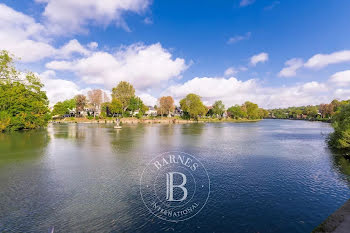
<point x="244" y="3"/>
<point x="147" y="99"/>
<point x="319" y="61"/>
<point x="261" y="57"/>
<point x="72" y="16"/>
<point x="25" y="38"/>
<point x="341" y="78"/>
<point x="58" y="89"/>
<point x="144" y="66"/>
<point x="233" y="91"/>
<point x="292" y="66"/>
<point x="235" y="39"/>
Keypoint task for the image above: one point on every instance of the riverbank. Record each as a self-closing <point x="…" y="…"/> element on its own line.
<point x="165" y="120"/>
<point x="338" y="222"/>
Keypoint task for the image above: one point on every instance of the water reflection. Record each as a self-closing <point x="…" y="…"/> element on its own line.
<point x="17" y="146"/>
<point x="268" y="176"/>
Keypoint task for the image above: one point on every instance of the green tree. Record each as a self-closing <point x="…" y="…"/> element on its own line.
<point x="193" y="106"/>
<point x="218" y="108"/>
<point x="340" y="138"/>
<point x="236" y="112"/>
<point x="252" y="110"/>
<point x="62" y="108"/>
<point x="124" y="91"/>
<point x="23" y="105"/>
<point x="116" y="107"/>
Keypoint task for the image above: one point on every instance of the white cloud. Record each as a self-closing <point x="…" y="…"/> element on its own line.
<point x="64" y="16"/>
<point x="319" y="61"/>
<point x="230" y="71"/>
<point x="147" y="99"/>
<point x="261" y="57"/>
<point x="233" y="91"/>
<point x="246" y="2"/>
<point x="26" y="39"/>
<point x="92" y="45"/>
<point x="292" y="66"/>
<point x="143" y="66"/>
<point x="22" y="36"/>
<point x="341" y="78"/>
<point x="58" y="89"/>
<point x="235" y="39"/>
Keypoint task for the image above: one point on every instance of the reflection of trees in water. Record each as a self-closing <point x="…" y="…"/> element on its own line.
<point x="127" y="138"/>
<point x="69" y="131"/>
<point x="23" y="145"/>
<point x="342" y="163"/>
<point x="192" y="129"/>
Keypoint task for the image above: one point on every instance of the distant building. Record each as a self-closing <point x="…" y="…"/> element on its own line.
<point x="151" y="111"/>
<point x="178" y="111"/>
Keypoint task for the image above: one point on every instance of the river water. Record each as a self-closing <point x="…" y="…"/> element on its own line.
<point x="267" y="176"/>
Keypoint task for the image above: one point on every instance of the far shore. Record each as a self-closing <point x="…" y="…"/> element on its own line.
<point x="164" y="120"/>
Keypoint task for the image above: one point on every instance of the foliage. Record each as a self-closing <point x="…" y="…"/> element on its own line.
<point x="137" y="104"/>
<point x="236" y="112"/>
<point x="123" y="92"/>
<point x="218" y="108"/>
<point x="80" y="102"/>
<point x="62" y="108"/>
<point x="95" y="99"/>
<point x="166" y="105"/>
<point x="340" y="138"/>
<point x="23" y="105"/>
<point x="193" y="106"/>
<point x="252" y="110"/>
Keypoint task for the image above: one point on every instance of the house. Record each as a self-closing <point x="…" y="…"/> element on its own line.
<point x="151" y="111"/>
<point x="178" y="111"/>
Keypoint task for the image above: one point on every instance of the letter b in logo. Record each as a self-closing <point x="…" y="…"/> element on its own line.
<point x="170" y="186"/>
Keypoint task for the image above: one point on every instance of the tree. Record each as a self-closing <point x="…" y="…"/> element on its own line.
<point x="116" y="107"/>
<point x="311" y="111"/>
<point x="236" y="112"/>
<point x="166" y="105"/>
<point x="218" y="108"/>
<point x="137" y="104"/>
<point x="192" y="105"/>
<point x="124" y="91"/>
<point x="95" y="98"/>
<point x="62" y="108"/>
<point x="23" y="104"/>
<point x="340" y="138"/>
<point x="252" y="110"/>
<point x="80" y="103"/>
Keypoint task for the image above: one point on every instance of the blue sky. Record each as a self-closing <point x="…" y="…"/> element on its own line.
<point x="229" y="50"/>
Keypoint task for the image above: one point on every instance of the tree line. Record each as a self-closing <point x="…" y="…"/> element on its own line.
<point x="322" y="112"/>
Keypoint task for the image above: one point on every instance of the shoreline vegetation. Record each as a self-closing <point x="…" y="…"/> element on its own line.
<point x="164" y="120"/>
<point x="24" y="105"/>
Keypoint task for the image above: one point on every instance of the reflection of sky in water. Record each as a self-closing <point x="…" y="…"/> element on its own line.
<point x="269" y="176"/>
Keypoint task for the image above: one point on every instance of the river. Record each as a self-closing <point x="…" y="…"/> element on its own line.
<point x="267" y="176"/>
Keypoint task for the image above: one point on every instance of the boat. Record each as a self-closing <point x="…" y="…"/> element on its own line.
<point x="117" y="127"/>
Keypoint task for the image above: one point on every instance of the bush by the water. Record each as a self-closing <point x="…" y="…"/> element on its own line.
<point x="23" y="105"/>
<point x="340" y="138"/>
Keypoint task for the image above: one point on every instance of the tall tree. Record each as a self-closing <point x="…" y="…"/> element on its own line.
<point x="23" y="104"/>
<point x="166" y="105"/>
<point x="124" y="91"/>
<point x="80" y="102"/>
<point x="218" y="108"/>
<point x="252" y="110"/>
<point x="95" y="98"/>
<point x="193" y="105"/>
